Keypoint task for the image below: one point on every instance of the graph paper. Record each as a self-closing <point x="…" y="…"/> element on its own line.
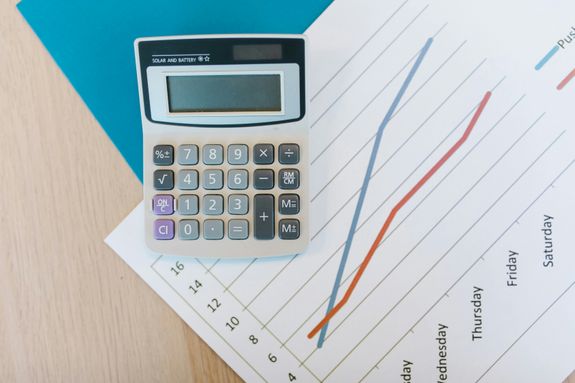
<point x="442" y="155"/>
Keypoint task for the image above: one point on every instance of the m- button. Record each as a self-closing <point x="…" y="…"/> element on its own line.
<point x="288" y="204"/>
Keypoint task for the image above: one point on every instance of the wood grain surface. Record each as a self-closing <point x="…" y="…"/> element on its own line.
<point x="70" y="309"/>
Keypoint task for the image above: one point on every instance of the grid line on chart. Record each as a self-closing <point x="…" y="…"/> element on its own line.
<point x="445" y="254"/>
<point x="332" y="104"/>
<point x="441" y="220"/>
<point x="371" y="101"/>
<point x="359" y="49"/>
<point x="461" y="160"/>
<point x="400" y="147"/>
<point x="342" y="244"/>
<point x="395" y="114"/>
<point x="471" y="267"/>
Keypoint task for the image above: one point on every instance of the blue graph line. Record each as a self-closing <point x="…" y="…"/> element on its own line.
<point x="366" y="179"/>
<point x="547" y="57"/>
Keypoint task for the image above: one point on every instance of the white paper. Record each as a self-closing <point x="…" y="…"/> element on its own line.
<point x="445" y="260"/>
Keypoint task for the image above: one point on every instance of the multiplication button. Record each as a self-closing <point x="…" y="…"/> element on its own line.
<point x="263" y="154"/>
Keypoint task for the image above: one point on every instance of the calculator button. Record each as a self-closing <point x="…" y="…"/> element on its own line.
<point x="288" y="179"/>
<point x="263" y="179"/>
<point x="288" y="204"/>
<point x="237" y="154"/>
<point x="163" y="229"/>
<point x="238" y="204"/>
<point x="213" y="229"/>
<point x="213" y="154"/>
<point x="238" y="179"/>
<point x="213" y="179"/>
<point x="188" y="154"/>
<point x="163" y="155"/>
<point x="163" y="180"/>
<point x="163" y="204"/>
<point x="188" y="204"/>
<point x="288" y="154"/>
<point x="263" y="154"/>
<point x="264" y="219"/>
<point x="187" y="180"/>
<point x="238" y="229"/>
<point x="289" y="229"/>
<point x="213" y="204"/>
<point x="188" y="229"/>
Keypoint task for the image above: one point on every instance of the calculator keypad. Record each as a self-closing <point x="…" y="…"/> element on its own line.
<point x="208" y="202"/>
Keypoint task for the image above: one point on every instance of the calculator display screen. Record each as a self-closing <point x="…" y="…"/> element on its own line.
<point x="225" y="93"/>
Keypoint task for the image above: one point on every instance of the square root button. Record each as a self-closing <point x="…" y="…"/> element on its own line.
<point x="163" y="229"/>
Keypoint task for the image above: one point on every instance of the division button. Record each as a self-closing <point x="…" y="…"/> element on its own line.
<point x="264" y="218"/>
<point x="237" y="154"/>
<point x="163" y="180"/>
<point x="188" y="154"/>
<point x="188" y="204"/>
<point x="263" y="179"/>
<point x="188" y="229"/>
<point x="288" y="154"/>
<point x="163" y="204"/>
<point x="213" y="154"/>
<point x="288" y="204"/>
<point x="288" y="179"/>
<point x="263" y="154"/>
<point x="289" y="229"/>
<point x="163" y="155"/>
<point x="163" y="229"/>
<point x="238" y="229"/>
<point x="213" y="229"/>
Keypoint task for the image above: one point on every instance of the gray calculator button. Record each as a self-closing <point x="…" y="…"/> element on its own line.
<point x="163" y="155"/>
<point x="188" y="229"/>
<point x="188" y="204"/>
<point x="288" y="154"/>
<point x="213" y="204"/>
<point x="213" y="229"/>
<point x="213" y="179"/>
<point x="187" y="180"/>
<point x="238" y="204"/>
<point x="187" y="154"/>
<point x="263" y="154"/>
<point x="288" y="179"/>
<point x="237" y="154"/>
<point x="264" y="218"/>
<point x="263" y="179"/>
<point x="163" y="180"/>
<point x="213" y="154"/>
<point x="288" y="204"/>
<point x="288" y="229"/>
<point x="238" y="179"/>
<point x="238" y="229"/>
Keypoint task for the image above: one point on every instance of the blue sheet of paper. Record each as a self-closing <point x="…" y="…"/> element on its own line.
<point x="92" y="42"/>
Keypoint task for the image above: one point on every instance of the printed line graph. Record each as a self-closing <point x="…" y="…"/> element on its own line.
<point x="366" y="180"/>
<point x="332" y="310"/>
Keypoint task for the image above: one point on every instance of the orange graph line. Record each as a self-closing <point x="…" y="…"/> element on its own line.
<point x="393" y="213"/>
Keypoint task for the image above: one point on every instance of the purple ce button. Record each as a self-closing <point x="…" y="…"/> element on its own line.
<point x="163" y="229"/>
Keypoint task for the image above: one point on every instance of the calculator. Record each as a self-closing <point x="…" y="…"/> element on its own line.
<point x="226" y="164"/>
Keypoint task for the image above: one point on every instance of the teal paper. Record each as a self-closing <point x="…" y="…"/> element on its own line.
<point x="92" y="42"/>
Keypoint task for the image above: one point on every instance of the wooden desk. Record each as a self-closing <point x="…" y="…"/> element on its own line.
<point x="70" y="309"/>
